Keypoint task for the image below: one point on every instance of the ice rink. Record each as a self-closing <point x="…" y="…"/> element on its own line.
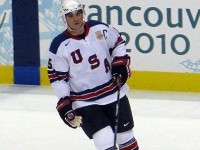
<point x="163" y="121"/>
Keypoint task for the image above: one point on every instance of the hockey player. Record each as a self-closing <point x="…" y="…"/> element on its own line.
<point x="84" y="62"/>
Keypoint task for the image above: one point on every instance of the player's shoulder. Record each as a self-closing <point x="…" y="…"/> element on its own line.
<point x="93" y="23"/>
<point x="57" y="41"/>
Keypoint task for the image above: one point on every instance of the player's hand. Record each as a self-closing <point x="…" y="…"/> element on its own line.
<point x="121" y="69"/>
<point x="64" y="108"/>
<point x="73" y="120"/>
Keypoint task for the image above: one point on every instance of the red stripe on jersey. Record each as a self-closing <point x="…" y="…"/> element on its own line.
<point x="52" y="76"/>
<point x="94" y="94"/>
<point x="63" y="77"/>
<point x="56" y="76"/>
<point x="119" y="41"/>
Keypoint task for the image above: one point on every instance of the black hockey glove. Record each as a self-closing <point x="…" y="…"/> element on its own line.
<point x="120" y="69"/>
<point x="64" y="108"/>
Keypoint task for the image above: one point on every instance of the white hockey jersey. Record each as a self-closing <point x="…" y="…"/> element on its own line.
<point x="80" y="67"/>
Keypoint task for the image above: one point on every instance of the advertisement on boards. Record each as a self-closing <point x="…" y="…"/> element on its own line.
<point x="6" y="33"/>
<point x="160" y="35"/>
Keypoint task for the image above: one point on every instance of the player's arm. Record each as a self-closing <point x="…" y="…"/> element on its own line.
<point x="121" y="68"/>
<point x="64" y="108"/>
<point x="58" y="73"/>
<point x="121" y="60"/>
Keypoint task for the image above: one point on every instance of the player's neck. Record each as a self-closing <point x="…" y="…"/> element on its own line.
<point x="76" y="32"/>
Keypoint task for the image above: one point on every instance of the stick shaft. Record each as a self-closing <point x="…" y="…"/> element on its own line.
<point x="2" y="21"/>
<point x="116" y="117"/>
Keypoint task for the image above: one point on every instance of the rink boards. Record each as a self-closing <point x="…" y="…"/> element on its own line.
<point x="162" y="39"/>
<point x="142" y="80"/>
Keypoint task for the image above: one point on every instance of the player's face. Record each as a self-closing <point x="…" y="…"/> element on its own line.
<point x="75" y="19"/>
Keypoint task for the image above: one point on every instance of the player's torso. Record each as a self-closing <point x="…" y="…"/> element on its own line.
<point x="89" y="60"/>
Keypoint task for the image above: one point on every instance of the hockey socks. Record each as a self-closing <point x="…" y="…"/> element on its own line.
<point x="130" y="145"/>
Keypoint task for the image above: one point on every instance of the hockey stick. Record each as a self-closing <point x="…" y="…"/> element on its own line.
<point x="117" y="115"/>
<point x="4" y="16"/>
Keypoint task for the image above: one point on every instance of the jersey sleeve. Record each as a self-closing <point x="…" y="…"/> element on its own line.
<point x="58" y="73"/>
<point x="115" y="42"/>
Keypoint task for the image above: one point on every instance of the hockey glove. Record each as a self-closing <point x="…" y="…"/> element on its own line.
<point x="64" y="108"/>
<point x="120" y="69"/>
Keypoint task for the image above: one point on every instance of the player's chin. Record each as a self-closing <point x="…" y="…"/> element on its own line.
<point x="76" y="27"/>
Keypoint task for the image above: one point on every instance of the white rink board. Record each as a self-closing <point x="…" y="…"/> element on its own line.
<point x="162" y="36"/>
<point x="155" y="44"/>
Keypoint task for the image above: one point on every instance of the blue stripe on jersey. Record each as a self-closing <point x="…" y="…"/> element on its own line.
<point x="95" y="93"/>
<point x="57" y="76"/>
<point x="62" y="37"/>
<point x="57" y="41"/>
<point x="94" y="23"/>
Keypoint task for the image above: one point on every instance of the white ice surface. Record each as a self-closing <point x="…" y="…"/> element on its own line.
<point x="163" y="121"/>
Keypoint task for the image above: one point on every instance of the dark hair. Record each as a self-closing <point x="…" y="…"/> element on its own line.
<point x="80" y="11"/>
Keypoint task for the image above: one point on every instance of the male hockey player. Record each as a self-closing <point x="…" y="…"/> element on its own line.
<point x="84" y="63"/>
